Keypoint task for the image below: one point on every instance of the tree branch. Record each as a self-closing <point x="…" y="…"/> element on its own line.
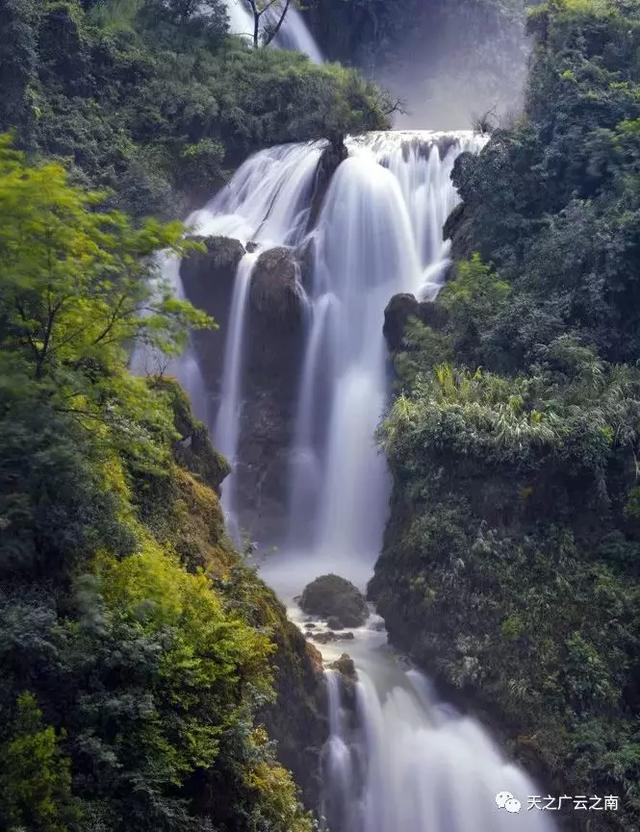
<point x="274" y="32"/>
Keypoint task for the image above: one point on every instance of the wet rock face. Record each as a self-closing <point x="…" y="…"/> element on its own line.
<point x="329" y="636"/>
<point x="273" y="351"/>
<point x="396" y="316"/>
<point x="332" y="157"/>
<point x="276" y="316"/>
<point x="208" y="276"/>
<point x="275" y="290"/>
<point x="208" y="280"/>
<point x="346" y="667"/>
<point x="333" y="597"/>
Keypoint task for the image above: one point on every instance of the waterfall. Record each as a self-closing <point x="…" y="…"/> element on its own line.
<point x="268" y="199"/>
<point x="338" y="760"/>
<point x="397" y="757"/>
<point x="266" y="204"/>
<point x="227" y="427"/>
<point x="379" y="233"/>
<point x="293" y="34"/>
<point x="426" y="767"/>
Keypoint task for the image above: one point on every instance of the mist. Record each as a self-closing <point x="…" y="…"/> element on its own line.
<point x="457" y="63"/>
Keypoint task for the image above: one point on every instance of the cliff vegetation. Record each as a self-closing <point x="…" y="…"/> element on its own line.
<point x="510" y="565"/>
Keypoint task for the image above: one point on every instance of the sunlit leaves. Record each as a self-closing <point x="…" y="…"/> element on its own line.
<point x="74" y="280"/>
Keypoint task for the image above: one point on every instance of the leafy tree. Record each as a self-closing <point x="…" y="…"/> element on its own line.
<point x="268" y="17"/>
<point x="35" y="783"/>
<point x="75" y="285"/>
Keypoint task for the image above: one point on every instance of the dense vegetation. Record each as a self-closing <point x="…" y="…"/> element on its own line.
<point x="511" y="563"/>
<point x="140" y="656"/>
<point x="136" y="648"/>
<point x="155" y="101"/>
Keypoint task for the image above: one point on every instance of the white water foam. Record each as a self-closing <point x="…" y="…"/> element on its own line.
<point x="401" y="759"/>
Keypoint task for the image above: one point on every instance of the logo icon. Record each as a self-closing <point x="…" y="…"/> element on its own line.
<point x="506" y="801"/>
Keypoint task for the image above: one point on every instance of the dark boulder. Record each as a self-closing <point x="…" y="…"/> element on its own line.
<point x="276" y="294"/>
<point x="274" y="349"/>
<point x="328" y="636"/>
<point x="401" y="309"/>
<point x="458" y="229"/>
<point x="345" y="666"/>
<point x="332" y="157"/>
<point x="208" y="280"/>
<point x="208" y="276"/>
<point x="396" y="316"/>
<point x="331" y="596"/>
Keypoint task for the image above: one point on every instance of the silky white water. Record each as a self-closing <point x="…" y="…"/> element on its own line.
<point x="265" y="204"/>
<point x="397" y="758"/>
<point x="293" y="34"/>
<point x="227" y="425"/>
<point x="379" y="233"/>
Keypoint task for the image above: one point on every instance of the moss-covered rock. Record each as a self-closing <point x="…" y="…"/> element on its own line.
<point x="402" y="309"/>
<point x="331" y="596"/>
<point x="193" y="450"/>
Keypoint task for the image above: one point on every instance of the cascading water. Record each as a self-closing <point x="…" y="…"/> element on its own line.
<point x="397" y="758"/>
<point x="293" y="34"/>
<point x="379" y="233"/>
<point x="412" y="763"/>
<point x="227" y="427"/>
<point x="267" y="201"/>
<point x="266" y="204"/>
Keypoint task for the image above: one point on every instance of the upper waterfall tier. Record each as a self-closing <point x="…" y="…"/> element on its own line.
<point x="364" y="224"/>
<point x="268" y="200"/>
<point x="293" y="35"/>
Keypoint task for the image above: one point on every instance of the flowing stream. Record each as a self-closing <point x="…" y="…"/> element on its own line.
<point x="398" y="758"/>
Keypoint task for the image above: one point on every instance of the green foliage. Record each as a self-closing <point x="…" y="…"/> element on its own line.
<point x="114" y="614"/>
<point x="511" y="567"/>
<point x="36" y="779"/>
<point x="73" y="296"/>
<point x="155" y="102"/>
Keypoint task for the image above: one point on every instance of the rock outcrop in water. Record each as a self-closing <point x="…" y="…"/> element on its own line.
<point x="207" y="279"/>
<point x="271" y="364"/>
<point x="401" y="309"/>
<point x="335" y="599"/>
<point x="332" y="157"/>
